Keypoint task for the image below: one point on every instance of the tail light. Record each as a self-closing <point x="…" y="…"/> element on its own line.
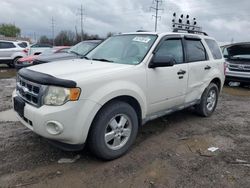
<point x="26" y="51"/>
<point x="225" y="67"/>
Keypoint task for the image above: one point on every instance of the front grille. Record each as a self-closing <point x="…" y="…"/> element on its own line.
<point x="239" y="68"/>
<point x="29" y="91"/>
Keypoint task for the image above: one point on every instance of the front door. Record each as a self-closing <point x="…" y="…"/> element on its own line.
<point x="167" y="85"/>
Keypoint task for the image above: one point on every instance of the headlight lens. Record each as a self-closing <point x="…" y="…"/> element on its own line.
<point x="57" y="96"/>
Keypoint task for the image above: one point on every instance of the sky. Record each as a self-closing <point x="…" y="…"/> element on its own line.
<point x="226" y="20"/>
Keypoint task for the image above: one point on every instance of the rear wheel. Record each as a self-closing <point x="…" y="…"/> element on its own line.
<point x="208" y="101"/>
<point x="113" y="131"/>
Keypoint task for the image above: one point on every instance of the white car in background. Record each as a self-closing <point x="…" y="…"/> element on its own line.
<point x="36" y="49"/>
<point x="11" y="51"/>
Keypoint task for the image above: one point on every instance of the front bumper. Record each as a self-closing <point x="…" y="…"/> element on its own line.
<point x="237" y="76"/>
<point x="75" y="119"/>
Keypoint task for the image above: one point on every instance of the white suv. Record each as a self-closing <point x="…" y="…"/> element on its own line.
<point x="125" y="82"/>
<point x="11" y="51"/>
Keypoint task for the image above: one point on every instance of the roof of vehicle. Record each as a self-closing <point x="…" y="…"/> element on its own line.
<point x="9" y="41"/>
<point x="161" y="34"/>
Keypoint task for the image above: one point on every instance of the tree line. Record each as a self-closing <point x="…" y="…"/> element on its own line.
<point x="63" y="38"/>
<point x="67" y="38"/>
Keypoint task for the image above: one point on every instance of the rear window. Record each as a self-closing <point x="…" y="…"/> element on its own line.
<point x="214" y="48"/>
<point x="6" y="45"/>
<point x="195" y="51"/>
<point x="22" y="45"/>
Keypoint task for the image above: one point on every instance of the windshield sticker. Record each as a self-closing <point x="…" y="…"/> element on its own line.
<point x="142" y="39"/>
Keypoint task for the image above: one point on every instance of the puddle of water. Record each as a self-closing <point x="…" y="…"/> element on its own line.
<point x="8" y="115"/>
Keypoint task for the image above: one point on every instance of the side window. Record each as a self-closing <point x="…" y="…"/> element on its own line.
<point x="4" y="45"/>
<point x="195" y="51"/>
<point x="214" y="48"/>
<point x="172" y="47"/>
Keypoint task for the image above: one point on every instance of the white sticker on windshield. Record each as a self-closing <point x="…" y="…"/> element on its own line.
<point x="142" y="39"/>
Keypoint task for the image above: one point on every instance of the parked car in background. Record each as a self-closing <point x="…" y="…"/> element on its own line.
<point x="238" y="63"/>
<point x="126" y="81"/>
<point x="11" y="51"/>
<point x="28" y="61"/>
<point x="36" y="49"/>
<point x="75" y="52"/>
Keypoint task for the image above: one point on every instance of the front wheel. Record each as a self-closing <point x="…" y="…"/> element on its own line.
<point x="12" y="64"/>
<point x="113" y="130"/>
<point x="208" y="101"/>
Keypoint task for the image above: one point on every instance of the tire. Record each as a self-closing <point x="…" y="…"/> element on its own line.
<point x="106" y="123"/>
<point x="206" y="108"/>
<point x="12" y="64"/>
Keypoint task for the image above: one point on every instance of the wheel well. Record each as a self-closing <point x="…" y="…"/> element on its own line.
<point x="131" y="101"/>
<point x="217" y="82"/>
<point x="18" y="57"/>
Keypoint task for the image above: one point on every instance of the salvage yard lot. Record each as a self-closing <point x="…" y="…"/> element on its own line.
<point x="169" y="152"/>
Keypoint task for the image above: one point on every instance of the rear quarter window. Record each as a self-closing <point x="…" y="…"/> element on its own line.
<point x="214" y="48"/>
<point x="22" y="45"/>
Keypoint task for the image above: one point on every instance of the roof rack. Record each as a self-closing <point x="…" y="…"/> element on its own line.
<point x="189" y="30"/>
<point x="185" y="25"/>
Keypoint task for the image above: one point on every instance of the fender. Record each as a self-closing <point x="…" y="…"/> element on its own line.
<point x="120" y="88"/>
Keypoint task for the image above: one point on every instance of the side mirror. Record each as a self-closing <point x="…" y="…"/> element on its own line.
<point x="162" y="61"/>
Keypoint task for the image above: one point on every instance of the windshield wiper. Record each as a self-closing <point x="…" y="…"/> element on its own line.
<point x="85" y="57"/>
<point x="102" y="59"/>
<point x="73" y="52"/>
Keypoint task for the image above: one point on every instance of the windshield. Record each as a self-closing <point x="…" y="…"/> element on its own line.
<point x="83" y="48"/>
<point x="124" y="49"/>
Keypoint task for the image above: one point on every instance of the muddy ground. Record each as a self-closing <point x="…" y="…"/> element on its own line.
<point x="169" y="152"/>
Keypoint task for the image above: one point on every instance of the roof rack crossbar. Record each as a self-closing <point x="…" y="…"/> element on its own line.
<point x="181" y="30"/>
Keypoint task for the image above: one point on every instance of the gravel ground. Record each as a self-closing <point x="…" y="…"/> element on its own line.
<point x="169" y="152"/>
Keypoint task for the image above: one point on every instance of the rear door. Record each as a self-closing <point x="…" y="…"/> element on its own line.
<point x="167" y="85"/>
<point x="199" y="67"/>
<point x="6" y="50"/>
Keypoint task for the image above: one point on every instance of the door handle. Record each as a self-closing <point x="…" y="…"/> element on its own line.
<point x="181" y="72"/>
<point x="207" y="67"/>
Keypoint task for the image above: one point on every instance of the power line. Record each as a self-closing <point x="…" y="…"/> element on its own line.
<point x="156" y="8"/>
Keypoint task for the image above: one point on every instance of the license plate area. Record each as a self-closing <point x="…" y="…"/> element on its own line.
<point x="19" y="105"/>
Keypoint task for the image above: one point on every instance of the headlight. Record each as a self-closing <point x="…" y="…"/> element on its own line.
<point x="56" y="96"/>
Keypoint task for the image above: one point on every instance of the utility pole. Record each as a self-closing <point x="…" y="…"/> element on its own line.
<point x="81" y="23"/>
<point x="156" y="8"/>
<point x="53" y="30"/>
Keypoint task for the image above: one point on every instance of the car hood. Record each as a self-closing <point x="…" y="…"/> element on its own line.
<point x="239" y="49"/>
<point x="57" y="57"/>
<point x="79" y="69"/>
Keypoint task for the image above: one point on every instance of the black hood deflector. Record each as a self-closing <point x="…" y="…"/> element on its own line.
<point x="45" y="79"/>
